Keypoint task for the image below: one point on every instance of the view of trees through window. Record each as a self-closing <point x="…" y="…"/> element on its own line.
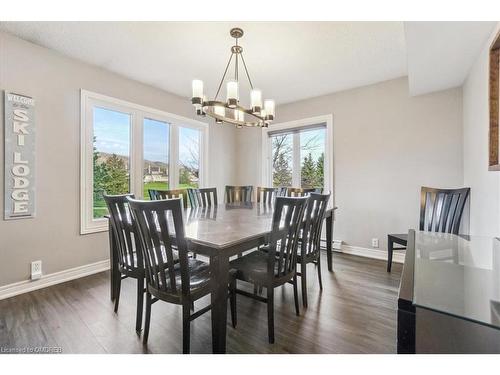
<point x="189" y="157"/>
<point x="110" y="157"/>
<point x="312" y="158"/>
<point x="156" y="141"/>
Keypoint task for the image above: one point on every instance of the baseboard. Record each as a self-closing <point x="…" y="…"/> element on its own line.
<point x="398" y="256"/>
<point x="25" y="286"/>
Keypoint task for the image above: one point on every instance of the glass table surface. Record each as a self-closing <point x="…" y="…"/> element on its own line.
<point x="458" y="275"/>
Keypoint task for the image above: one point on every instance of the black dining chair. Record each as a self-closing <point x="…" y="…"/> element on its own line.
<point x="181" y="282"/>
<point x="130" y="262"/>
<point x="310" y="241"/>
<point x="169" y="194"/>
<point x="278" y="265"/>
<point x="299" y="192"/>
<point x="440" y="211"/>
<point x="281" y="191"/>
<point x="266" y="195"/>
<point x="239" y="194"/>
<point x="203" y="197"/>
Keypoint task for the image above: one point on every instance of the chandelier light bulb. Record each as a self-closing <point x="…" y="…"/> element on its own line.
<point x="256" y="100"/>
<point x="232" y="93"/>
<point x="269" y="108"/>
<point x="219" y="111"/>
<point x="197" y="92"/>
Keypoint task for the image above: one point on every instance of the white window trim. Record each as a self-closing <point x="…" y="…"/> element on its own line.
<point x="137" y="114"/>
<point x="266" y="178"/>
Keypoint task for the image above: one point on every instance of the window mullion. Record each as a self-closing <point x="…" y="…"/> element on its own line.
<point x="173" y="171"/>
<point x="296" y="160"/>
<point x="137" y="153"/>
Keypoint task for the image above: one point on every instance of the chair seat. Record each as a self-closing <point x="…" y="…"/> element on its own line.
<point x="252" y="267"/>
<point x="199" y="273"/>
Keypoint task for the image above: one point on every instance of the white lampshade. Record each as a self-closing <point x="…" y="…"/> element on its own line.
<point x="269" y="108"/>
<point x="197" y="88"/>
<point x="240" y="116"/>
<point x="232" y="93"/>
<point x="256" y="100"/>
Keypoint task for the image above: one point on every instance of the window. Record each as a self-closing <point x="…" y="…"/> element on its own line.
<point x="297" y="154"/>
<point x="128" y="148"/>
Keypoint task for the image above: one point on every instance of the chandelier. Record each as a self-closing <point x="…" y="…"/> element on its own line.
<point x="230" y="111"/>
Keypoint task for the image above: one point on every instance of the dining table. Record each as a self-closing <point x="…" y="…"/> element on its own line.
<point x="219" y="233"/>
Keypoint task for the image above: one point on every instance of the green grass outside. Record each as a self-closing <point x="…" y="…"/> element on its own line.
<point x="100" y="206"/>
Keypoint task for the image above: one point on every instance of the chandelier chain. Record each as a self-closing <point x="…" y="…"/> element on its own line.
<point x="224" y="76"/>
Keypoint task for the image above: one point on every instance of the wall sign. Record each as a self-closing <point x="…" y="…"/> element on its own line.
<point x="19" y="156"/>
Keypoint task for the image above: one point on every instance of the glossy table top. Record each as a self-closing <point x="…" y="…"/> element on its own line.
<point x="458" y="275"/>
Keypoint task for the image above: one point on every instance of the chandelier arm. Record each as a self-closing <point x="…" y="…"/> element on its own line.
<point x="246" y="71"/>
<point x="224" y="76"/>
<point x="236" y="68"/>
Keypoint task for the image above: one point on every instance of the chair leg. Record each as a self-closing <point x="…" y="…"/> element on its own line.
<point x="186" y="326"/>
<point x="303" y="280"/>
<point x="147" y="320"/>
<point x="390" y="250"/>
<point x="140" y="304"/>
<point x="232" y="300"/>
<point x="296" y="295"/>
<point x="270" y="313"/>
<point x="319" y="273"/>
<point x="118" y="289"/>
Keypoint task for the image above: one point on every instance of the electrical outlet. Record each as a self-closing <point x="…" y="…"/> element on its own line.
<point x="36" y="269"/>
<point x="375" y="242"/>
<point x="337" y="244"/>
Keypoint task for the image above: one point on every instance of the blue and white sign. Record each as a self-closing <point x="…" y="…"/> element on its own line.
<point x="19" y="156"/>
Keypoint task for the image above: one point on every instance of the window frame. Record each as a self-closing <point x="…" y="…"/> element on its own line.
<point x="88" y="100"/>
<point x="267" y="169"/>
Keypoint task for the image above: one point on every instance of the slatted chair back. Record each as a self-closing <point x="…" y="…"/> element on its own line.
<point x="313" y="223"/>
<point x="155" y="195"/>
<point x="204" y="197"/>
<point x="299" y="192"/>
<point x="237" y="194"/>
<point x="127" y="242"/>
<point x="281" y="191"/>
<point x="441" y="209"/>
<point x="266" y="195"/>
<point x="157" y="223"/>
<point x="284" y="238"/>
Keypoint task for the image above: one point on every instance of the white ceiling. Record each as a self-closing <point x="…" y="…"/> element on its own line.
<point x="289" y="61"/>
<point x="440" y="54"/>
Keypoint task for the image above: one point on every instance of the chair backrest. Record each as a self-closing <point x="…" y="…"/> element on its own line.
<point x="313" y="223"/>
<point x="157" y="223"/>
<point x="299" y="192"/>
<point x="284" y="238"/>
<point x="236" y="194"/>
<point x="155" y="195"/>
<point x="266" y="195"/>
<point x="441" y="209"/>
<point x="205" y="197"/>
<point x="124" y="232"/>
<point x="281" y="191"/>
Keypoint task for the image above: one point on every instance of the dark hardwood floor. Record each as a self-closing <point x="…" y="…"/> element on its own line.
<point x="355" y="313"/>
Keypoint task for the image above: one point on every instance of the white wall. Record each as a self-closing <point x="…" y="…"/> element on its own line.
<point x="485" y="185"/>
<point x="55" y="82"/>
<point x="386" y="146"/>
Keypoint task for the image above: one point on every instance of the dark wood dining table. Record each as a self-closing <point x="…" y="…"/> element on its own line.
<point x="221" y="232"/>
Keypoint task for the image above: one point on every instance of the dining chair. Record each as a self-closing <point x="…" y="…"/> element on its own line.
<point x="310" y="241"/>
<point x="179" y="282"/>
<point x="278" y="265"/>
<point x="266" y="195"/>
<point x="299" y="192"/>
<point x="237" y="194"/>
<point x="440" y="211"/>
<point x="281" y="191"/>
<point x="203" y="197"/>
<point x="130" y="260"/>
<point x="169" y="194"/>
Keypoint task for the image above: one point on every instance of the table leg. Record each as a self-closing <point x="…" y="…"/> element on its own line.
<point x="220" y="280"/>
<point x="329" y="240"/>
<point x="390" y="250"/>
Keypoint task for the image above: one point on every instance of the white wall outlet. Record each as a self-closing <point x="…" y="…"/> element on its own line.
<point x="375" y="242"/>
<point x="36" y="269"/>
<point x="337" y="244"/>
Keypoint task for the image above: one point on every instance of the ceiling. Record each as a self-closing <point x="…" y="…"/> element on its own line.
<point x="289" y="61"/>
